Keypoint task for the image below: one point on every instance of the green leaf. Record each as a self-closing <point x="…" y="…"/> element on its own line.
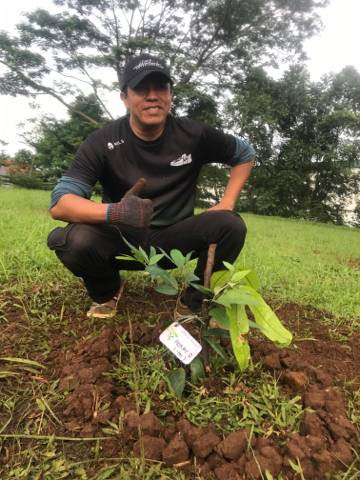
<point x="216" y="347"/>
<point x="219" y="279"/>
<point x="165" y="254"/>
<point x="188" y="256"/>
<point x="254" y="325"/>
<point x="190" y="277"/>
<point x="238" y="276"/>
<point x="171" y="280"/>
<point x="253" y="280"/>
<point x="143" y="254"/>
<point x="163" y="277"/>
<point x="240" y="346"/>
<point x="139" y="254"/>
<point x="229" y="266"/>
<point x="197" y="370"/>
<point x="237" y="313"/>
<point x="155" y="258"/>
<point x="269" y="323"/>
<point x="166" y="289"/>
<point x="25" y="361"/>
<point x="127" y="258"/>
<point x="220" y="316"/>
<point x="40" y="404"/>
<point x="8" y="373"/>
<point x="216" y="332"/>
<point x="238" y="295"/>
<point x="105" y="474"/>
<point x="268" y="475"/>
<point x="177" y="257"/>
<point x="156" y="271"/>
<point x="132" y="248"/>
<point x="176" y="381"/>
<point x="201" y="288"/>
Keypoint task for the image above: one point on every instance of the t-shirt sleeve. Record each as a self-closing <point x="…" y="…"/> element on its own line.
<point x="88" y="164"/>
<point x="219" y="147"/>
<point x="244" y="152"/>
<point x="67" y="185"/>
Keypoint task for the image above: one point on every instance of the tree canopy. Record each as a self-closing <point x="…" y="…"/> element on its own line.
<point x="306" y="136"/>
<point x="85" y="43"/>
<point x="56" y="141"/>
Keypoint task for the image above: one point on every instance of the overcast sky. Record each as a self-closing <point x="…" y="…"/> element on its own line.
<point x="334" y="48"/>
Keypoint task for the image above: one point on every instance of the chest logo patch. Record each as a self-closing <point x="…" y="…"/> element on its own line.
<point x="111" y="145"/>
<point x="183" y="160"/>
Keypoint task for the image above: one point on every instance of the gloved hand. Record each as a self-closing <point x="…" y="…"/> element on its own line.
<point x="131" y="209"/>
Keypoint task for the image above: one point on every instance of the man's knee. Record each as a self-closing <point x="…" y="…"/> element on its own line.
<point x="229" y="224"/>
<point x="72" y="243"/>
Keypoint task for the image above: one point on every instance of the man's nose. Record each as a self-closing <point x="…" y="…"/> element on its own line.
<point x="151" y="92"/>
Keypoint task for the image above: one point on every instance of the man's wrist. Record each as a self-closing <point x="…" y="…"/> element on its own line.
<point x="227" y="204"/>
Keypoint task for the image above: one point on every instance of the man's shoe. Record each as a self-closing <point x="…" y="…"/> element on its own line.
<point x="189" y="304"/>
<point x="182" y="311"/>
<point x="193" y="299"/>
<point x="107" y="309"/>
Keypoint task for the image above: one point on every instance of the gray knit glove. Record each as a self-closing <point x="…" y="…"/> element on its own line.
<point x="131" y="209"/>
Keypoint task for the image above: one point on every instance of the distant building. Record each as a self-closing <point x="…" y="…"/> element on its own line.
<point x="352" y="202"/>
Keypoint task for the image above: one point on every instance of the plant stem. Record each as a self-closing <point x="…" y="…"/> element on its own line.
<point x="205" y="305"/>
<point x="209" y="265"/>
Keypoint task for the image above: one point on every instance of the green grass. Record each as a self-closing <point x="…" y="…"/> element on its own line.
<point x="297" y="261"/>
<point x="306" y="262"/>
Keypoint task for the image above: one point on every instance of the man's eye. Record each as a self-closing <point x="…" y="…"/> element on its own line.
<point x="140" y="89"/>
<point x="144" y="89"/>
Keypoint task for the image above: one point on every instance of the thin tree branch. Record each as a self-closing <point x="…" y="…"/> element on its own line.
<point x="49" y="91"/>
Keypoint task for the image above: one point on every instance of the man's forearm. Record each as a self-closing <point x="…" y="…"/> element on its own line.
<point x="74" y="209"/>
<point x="238" y="177"/>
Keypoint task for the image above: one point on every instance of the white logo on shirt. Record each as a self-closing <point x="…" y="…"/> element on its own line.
<point x="111" y="146"/>
<point x="183" y="160"/>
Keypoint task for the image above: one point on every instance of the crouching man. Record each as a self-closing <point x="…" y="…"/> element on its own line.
<point x="168" y="152"/>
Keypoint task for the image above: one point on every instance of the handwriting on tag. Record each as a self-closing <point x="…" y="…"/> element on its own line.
<point x="180" y="343"/>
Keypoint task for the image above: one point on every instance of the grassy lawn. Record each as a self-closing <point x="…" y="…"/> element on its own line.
<point x="297" y="261"/>
<point x="309" y="272"/>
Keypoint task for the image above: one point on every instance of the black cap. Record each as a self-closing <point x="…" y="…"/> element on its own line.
<point x="140" y="67"/>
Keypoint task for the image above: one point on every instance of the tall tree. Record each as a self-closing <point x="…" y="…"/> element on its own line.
<point x="208" y="44"/>
<point x="56" y="141"/>
<point x="306" y="135"/>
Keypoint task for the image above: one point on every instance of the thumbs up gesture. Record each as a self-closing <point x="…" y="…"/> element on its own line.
<point x="131" y="209"/>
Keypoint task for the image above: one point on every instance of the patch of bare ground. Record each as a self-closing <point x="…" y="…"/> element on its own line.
<point x="315" y="368"/>
<point x="354" y="262"/>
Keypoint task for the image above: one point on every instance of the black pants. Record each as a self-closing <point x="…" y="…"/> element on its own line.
<point x="89" y="250"/>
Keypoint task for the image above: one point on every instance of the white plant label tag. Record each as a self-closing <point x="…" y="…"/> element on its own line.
<point x="180" y="343"/>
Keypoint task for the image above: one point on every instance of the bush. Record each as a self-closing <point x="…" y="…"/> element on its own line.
<point x="30" y="180"/>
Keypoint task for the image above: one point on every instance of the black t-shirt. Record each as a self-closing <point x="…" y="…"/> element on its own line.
<point x="115" y="157"/>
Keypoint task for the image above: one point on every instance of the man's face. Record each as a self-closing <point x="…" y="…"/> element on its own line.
<point x="149" y="102"/>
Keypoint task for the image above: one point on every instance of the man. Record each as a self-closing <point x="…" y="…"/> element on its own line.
<point x="168" y="153"/>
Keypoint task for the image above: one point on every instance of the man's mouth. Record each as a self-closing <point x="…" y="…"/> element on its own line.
<point x="153" y="109"/>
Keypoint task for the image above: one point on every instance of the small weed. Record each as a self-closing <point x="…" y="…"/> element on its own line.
<point x="142" y="370"/>
<point x="265" y="409"/>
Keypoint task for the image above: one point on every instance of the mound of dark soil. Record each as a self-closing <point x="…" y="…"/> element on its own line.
<point x="324" y="443"/>
<point x="316" y="368"/>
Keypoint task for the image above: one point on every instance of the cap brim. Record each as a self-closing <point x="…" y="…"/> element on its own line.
<point x="138" y="78"/>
